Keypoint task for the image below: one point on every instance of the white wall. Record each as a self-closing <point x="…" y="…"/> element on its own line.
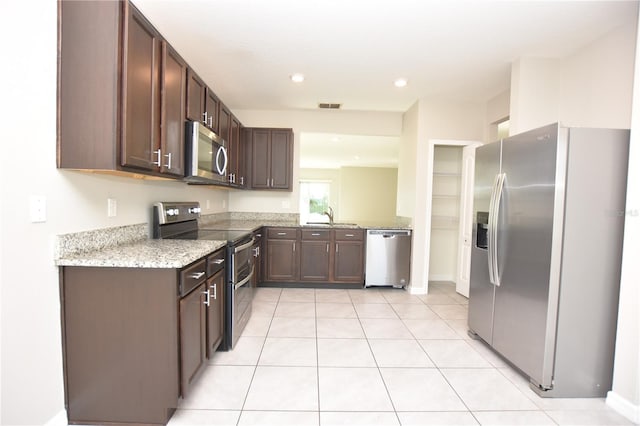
<point x="313" y="121"/>
<point x="596" y="81"/>
<point x="534" y="93"/>
<point x="437" y="119"/>
<point x="31" y="357"/>
<point x="497" y="109"/>
<point x="406" y="200"/>
<point x="368" y="194"/>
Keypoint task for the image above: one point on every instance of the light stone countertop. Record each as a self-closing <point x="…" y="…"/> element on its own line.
<point x="145" y="254"/>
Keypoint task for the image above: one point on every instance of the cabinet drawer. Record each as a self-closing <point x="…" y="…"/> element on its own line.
<point x="316" y="234"/>
<point x="192" y="276"/>
<point x="215" y="262"/>
<point x="349" y="234"/>
<point x="282" y="233"/>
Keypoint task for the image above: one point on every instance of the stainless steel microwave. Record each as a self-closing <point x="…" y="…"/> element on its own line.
<point x="206" y="155"/>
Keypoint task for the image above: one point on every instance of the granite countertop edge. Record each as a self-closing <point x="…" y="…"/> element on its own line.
<point x="150" y="253"/>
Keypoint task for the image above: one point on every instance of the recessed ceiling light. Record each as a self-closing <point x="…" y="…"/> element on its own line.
<point x="401" y="82"/>
<point x="297" y="77"/>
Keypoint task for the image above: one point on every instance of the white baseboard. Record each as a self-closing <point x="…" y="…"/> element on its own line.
<point x="624" y="407"/>
<point x="59" y="419"/>
<point x="442" y="277"/>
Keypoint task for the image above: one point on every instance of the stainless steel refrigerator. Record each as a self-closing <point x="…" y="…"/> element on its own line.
<point x="545" y="264"/>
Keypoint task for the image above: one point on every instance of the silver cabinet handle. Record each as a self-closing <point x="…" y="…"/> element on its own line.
<point x="267" y="181"/>
<point x="218" y="261"/>
<point x="327" y="247"/>
<point x="207" y="298"/>
<point x="210" y="121"/>
<point x="215" y="291"/>
<point x="241" y="180"/>
<point x="314" y="234"/>
<point x="256" y="251"/>
<point x="159" y="153"/>
<point x="294" y="246"/>
<point x="336" y="247"/>
<point x="168" y="156"/>
<point x="348" y="235"/>
<point x="272" y="182"/>
<point x="197" y="275"/>
<point x="282" y="233"/>
<point x="205" y="117"/>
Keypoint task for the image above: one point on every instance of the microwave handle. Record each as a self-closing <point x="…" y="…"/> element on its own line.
<point x="223" y="170"/>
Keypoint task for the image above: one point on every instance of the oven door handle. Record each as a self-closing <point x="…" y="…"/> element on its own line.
<point x="244" y="246"/>
<point x="245" y="280"/>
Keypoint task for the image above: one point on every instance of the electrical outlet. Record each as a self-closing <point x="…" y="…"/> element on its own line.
<point x="208" y="204"/>
<point x="38" y="208"/>
<point x="224" y="204"/>
<point x="112" y="207"/>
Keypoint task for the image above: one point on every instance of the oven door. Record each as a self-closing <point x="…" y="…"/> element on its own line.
<point x="242" y="267"/>
<point x="207" y="157"/>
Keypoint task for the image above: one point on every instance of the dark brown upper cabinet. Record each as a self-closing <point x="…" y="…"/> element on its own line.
<point x="271" y="158"/>
<point x="202" y="104"/>
<point x="121" y="92"/>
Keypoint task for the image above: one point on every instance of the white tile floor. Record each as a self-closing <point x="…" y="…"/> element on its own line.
<point x="369" y="357"/>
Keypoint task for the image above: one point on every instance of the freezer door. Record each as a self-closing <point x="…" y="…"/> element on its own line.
<point x="521" y="331"/>
<point x="481" y="291"/>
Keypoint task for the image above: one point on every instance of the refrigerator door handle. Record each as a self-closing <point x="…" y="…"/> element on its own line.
<point x="494" y="242"/>
<point x="491" y="229"/>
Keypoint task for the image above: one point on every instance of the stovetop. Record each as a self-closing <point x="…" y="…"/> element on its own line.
<point x="179" y="221"/>
<point x="231" y="237"/>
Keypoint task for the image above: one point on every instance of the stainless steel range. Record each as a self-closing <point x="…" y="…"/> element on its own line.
<point x="179" y="220"/>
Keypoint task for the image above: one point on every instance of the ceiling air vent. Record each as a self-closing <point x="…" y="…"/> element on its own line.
<point x="324" y="105"/>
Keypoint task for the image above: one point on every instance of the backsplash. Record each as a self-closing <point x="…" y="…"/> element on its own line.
<point x="86" y="241"/>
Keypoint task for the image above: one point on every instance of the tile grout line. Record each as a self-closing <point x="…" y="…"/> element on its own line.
<point x="257" y="363"/>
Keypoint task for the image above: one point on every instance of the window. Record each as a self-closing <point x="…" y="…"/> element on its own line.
<point x="314" y="201"/>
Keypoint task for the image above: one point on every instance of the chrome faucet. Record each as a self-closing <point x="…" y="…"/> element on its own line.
<point x="330" y="214"/>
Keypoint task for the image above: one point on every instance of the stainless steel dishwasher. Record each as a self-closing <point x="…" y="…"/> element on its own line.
<point x="388" y="260"/>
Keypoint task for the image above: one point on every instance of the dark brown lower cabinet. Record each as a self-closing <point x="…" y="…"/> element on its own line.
<point x="331" y="256"/>
<point x="193" y="346"/>
<point x="120" y="340"/>
<point x="131" y="344"/>
<point x="281" y="260"/>
<point x="215" y="312"/>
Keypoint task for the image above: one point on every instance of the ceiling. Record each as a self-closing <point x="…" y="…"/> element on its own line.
<point x="351" y="51"/>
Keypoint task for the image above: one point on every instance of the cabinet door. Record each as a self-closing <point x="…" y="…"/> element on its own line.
<point x="215" y="312"/>
<point x="260" y="159"/>
<point x="280" y="160"/>
<point x="314" y="260"/>
<point x="211" y="107"/>
<point x="234" y="151"/>
<point x="238" y="153"/>
<point x="174" y="71"/>
<point x="349" y="261"/>
<point x="141" y="114"/>
<point x="224" y="118"/>
<point x="192" y="335"/>
<point x="195" y="97"/>
<point x="281" y="260"/>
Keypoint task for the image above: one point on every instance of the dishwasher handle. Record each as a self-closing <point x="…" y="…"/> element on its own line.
<point x="389" y="233"/>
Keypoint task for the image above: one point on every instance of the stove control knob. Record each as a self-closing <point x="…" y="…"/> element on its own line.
<point x="194" y="210"/>
<point x="172" y="212"/>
